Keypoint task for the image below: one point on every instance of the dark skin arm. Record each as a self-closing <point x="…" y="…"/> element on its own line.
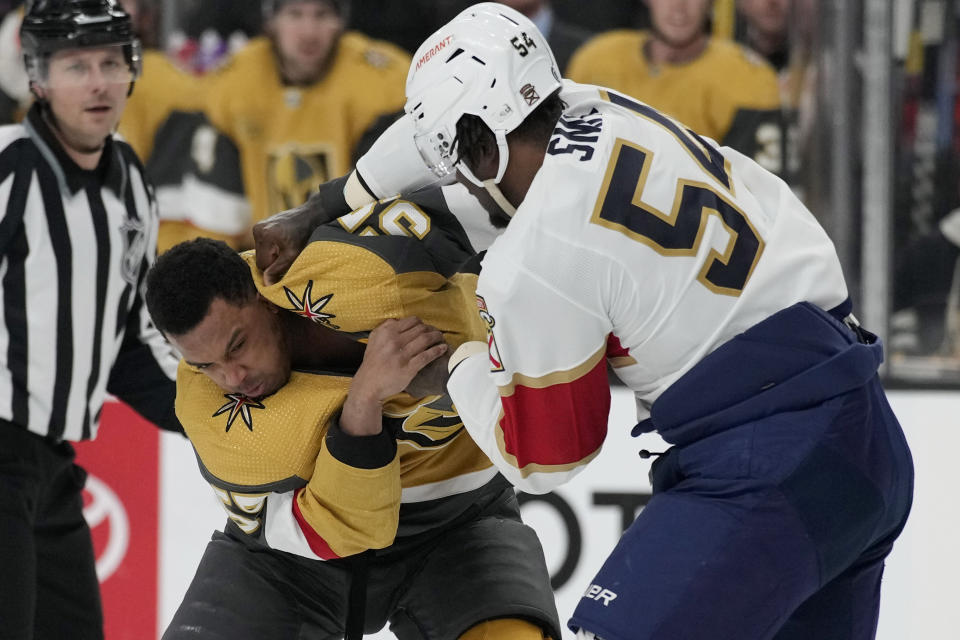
<point x="280" y="238"/>
<point x="396" y="351"/>
<point x="322" y="348"/>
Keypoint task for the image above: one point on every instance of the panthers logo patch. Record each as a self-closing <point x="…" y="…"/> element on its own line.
<point x="496" y="362"/>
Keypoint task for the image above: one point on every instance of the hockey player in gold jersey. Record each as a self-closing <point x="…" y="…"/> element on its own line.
<point x="326" y="467"/>
<point x="719" y="89"/>
<point x="165" y="88"/>
<point x="297" y="101"/>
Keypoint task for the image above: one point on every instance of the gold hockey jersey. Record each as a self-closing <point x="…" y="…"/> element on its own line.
<point x="160" y="123"/>
<point x="729" y="93"/>
<point x="266" y="458"/>
<point x="291" y="139"/>
<point x="162" y="89"/>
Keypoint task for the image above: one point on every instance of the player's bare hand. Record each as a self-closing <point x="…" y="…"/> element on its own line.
<point x="396" y="352"/>
<point x="280" y="238"/>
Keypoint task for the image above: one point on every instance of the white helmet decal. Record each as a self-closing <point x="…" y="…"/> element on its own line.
<point x="489" y="61"/>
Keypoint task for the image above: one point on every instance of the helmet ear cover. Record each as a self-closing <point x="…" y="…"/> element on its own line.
<point x="490" y="61"/>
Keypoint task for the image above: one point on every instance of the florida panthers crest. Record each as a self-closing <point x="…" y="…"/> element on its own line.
<point x="496" y="362"/>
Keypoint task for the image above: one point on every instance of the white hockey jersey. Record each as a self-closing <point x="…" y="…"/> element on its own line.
<point x="640" y="243"/>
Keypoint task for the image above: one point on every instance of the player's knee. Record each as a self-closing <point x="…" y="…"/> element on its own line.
<point x="504" y="629"/>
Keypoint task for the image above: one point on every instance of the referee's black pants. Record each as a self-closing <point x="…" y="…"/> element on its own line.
<point x="48" y="580"/>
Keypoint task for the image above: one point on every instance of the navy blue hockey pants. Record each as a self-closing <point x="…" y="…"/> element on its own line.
<point x="776" y="527"/>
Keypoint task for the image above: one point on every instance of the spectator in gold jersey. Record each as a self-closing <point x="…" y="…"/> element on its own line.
<point x="296" y="101"/>
<point x="717" y="88"/>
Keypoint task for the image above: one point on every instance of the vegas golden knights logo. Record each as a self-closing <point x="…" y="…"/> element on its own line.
<point x="293" y="173"/>
<point x="432" y="425"/>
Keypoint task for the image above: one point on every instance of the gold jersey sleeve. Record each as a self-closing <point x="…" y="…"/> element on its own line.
<point x="250" y="448"/>
<point x="291" y="139"/>
<point x="713" y="94"/>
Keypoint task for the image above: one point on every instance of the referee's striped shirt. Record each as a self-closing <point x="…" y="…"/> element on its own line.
<point x="75" y="246"/>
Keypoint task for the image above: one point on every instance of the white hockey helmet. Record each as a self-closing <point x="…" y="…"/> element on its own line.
<point x="490" y="61"/>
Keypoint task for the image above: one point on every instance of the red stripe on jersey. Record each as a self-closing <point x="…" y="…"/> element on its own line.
<point x="615" y="349"/>
<point x="557" y="425"/>
<point x="317" y="544"/>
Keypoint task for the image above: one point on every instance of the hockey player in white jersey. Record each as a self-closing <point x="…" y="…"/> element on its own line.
<point x="714" y="293"/>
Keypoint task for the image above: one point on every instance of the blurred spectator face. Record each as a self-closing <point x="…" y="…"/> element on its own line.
<point x="526" y="7"/>
<point x="305" y="33"/>
<point x="679" y="22"/>
<point x="769" y="17"/>
<point x="87" y="91"/>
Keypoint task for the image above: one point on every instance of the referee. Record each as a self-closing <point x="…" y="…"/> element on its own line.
<point x="77" y="233"/>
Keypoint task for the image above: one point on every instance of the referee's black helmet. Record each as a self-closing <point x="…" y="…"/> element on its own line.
<point x="53" y="25"/>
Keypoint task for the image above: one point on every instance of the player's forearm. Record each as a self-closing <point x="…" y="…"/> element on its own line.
<point x="362" y="413"/>
<point x="327" y="203"/>
<point x="352" y="501"/>
<point x="534" y="441"/>
<point x="392" y="165"/>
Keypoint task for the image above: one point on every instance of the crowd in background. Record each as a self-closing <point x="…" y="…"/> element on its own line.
<point x="211" y="56"/>
<point x="230" y="135"/>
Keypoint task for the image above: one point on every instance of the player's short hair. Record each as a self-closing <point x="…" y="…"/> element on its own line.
<point x="475" y="140"/>
<point x="185" y="280"/>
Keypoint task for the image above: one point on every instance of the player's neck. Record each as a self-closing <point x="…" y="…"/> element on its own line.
<point x="316" y="347"/>
<point x="526" y="158"/>
<point x="659" y="51"/>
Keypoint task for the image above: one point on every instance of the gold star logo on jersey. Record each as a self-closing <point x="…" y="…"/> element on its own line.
<point x="239" y="405"/>
<point x="309" y="309"/>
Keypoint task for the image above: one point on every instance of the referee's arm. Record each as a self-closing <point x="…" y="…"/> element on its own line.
<point x="144" y="373"/>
